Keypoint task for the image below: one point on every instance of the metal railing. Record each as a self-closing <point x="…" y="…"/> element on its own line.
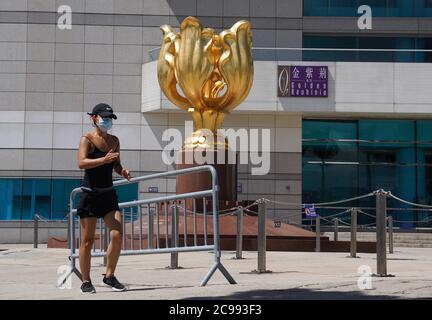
<point x="170" y="202"/>
<point x="332" y="54"/>
<point x="383" y="225"/>
<point x="36" y="219"/>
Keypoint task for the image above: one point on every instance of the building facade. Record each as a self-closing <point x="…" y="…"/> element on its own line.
<point x="372" y="130"/>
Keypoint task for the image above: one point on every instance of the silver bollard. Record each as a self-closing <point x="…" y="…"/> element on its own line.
<point x="318" y="234"/>
<point x="262" y="237"/>
<point x="150" y="225"/>
<point x="69" y="234"/>
<point x="239" y="242"/>
<point x="35" y="231"/>
<point x="174" y="236"/>
<point x="336" y="229"/>
<point x="390" y="232"/>
<point x="381" y="210"/>
<point x="353" y="248"/>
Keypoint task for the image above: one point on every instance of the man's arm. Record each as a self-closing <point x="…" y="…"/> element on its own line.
<point x="118" y="168"/>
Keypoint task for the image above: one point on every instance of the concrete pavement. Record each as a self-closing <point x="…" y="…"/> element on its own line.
<point x="27" y="273"/>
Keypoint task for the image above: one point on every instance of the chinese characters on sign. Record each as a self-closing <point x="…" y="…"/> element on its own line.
<point x="302" y="81"/>
<point x="309" y="211"/>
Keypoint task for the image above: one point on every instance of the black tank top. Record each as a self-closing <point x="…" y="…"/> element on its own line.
<point x="101" y="176"/>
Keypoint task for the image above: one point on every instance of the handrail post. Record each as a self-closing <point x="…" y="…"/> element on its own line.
<point x="35" y="231"/>
<point x="336" y="229"/>
<point x="68" y="232"/>
<point x="216" y="239"/>
<point x="174" y="237"/>
<point x="318" y="234"/>
<point x="262" y="237"/>
<point x="390" y="233"/>
<point x="353" y="249"/>
<point x="150" y="228"/>
<point x="381" y="250"/>
<point x="239" y="242"/>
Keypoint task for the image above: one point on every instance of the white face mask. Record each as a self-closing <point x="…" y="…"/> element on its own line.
<point x="104" y="124"/>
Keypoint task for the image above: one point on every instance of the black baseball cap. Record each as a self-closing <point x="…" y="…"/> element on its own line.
<point x="103" y="110"/>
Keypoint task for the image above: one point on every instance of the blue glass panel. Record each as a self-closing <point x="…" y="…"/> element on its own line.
<point x="424" y="160"/>
<point x="386" y="157"/>
<point x="366" y="42"/>
<point x="61" y="189"/>
<point x="315" y="7"/>
<point x="389" y="133"/>
<point x="330" y="42"/>
<point x="10" y="199"/>
<point x="20" y="199"/>
<point x="347" y="8"/>
<point x="402" y="8"/>
<point x="128" y="192"/>
<point x="379" y="7"/>
<point x="321" y="129"/>
<point x="423" y="8"/>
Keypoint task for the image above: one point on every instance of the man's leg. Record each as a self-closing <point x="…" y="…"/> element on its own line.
<point x="113" y="221"/>
<point x="88" y="227"/>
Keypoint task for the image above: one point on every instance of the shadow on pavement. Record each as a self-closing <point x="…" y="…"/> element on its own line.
<point x="298" y="294"/>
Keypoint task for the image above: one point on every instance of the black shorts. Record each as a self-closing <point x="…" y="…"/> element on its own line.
<point x="97" y="204"/>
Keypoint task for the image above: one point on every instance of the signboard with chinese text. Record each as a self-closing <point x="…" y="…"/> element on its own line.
<point x="303" y="81"/>
<point x="309" y="210"/>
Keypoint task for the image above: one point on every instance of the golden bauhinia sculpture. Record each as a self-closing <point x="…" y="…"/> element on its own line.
<point x="205" y="73"/>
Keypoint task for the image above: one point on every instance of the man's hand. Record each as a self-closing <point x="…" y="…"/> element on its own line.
<point x="126" y="174"/>
<point x="111" y="156"/>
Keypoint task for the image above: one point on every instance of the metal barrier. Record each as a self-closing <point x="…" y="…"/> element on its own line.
<point x="262" y="237"/>
<point x="137" y="214"/>
<point x="381" y="218"/>
<point x="239" y="236"/>
<point x="390" y="233"/>
<point x="318" y="234"/>
<point x="336" y="229"/>
<point x="36" y="219"/>
<point x="353" y="246"/>
<point x="35" y="231"/>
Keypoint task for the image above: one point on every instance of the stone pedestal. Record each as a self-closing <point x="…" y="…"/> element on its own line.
<point x="227" y="181"/>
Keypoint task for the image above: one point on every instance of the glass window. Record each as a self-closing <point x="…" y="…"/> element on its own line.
<point x="315" y="7"/>
<point x="366" y="42"/>
<point x="330" y="42"/>
<point x="424" y="160"/>
<point x="380" y="8"/>
<point x="61" y="189"/>
<point x="22" y="198"/>
<point x="342" y="159"/>
<point x="346" y="8"/>
<point x="10" y="199"/>
<point x="423" y="8"/>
